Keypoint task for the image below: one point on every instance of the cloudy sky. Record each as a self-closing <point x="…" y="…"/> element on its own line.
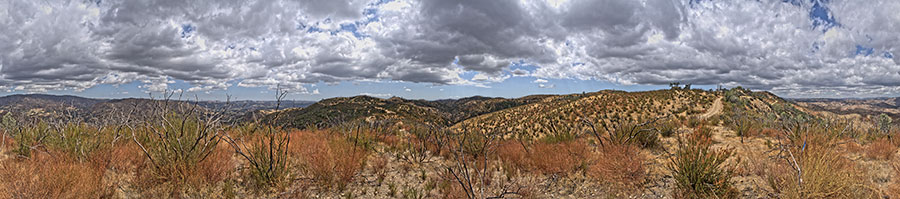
<point x="435" y="49"/>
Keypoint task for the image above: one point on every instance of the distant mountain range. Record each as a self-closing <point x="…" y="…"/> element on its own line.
<point x="42" y="105"/>
<point x="864" y="107"/>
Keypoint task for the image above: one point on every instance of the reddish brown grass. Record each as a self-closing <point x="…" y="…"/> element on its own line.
<point x="126" y="157"/>
<point x="217" y="166"/>
<point x="546" y="158"/>
<point x="6" y="141"/>
<point x="880" y="149"/>
<point x="513" y="156"/>
<point x="621" y="166"/>
<point x="329" y="159"/>
<point x="560" y="158"/>
<point x="769" y="132"/>
<point x="207" y="172"/>
<point x="44" y="176"/>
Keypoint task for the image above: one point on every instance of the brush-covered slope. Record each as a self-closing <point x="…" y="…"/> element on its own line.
<point x="441" y="113"/>
<point x="565" y="112"/>
<point x="40" y="105"/>
<point x="334" y="111"/>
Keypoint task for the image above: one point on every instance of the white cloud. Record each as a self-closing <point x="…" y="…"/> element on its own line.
<point x="770" y="45"/>
<point x="540" y="81"/>
<point x="380" y="95"/>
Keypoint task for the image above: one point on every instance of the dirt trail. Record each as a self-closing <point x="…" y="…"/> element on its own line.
<point x="715" y="109"/>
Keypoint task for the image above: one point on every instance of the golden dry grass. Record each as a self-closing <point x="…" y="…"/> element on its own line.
<point x="824" y="172"/>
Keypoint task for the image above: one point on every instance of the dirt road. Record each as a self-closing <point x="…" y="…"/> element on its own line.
<point x="715" y="109"/>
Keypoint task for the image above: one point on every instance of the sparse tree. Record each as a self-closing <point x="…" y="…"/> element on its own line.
<point x="884" y="123"/>
<point x="470" y="166"/>
<point x="675" y="85"/>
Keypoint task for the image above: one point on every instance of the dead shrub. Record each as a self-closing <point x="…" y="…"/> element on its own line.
<point x="621" y="166"/>
<point x="330" y="160"/>
<point x="880" y="149"/>
<point x="379" y="167"/>
<point x="44" y="176"/>
<point x="265" y="149"/>
<point x="449" y="188"/>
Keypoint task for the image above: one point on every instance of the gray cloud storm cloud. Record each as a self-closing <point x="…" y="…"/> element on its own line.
<point x="213" y="44"/>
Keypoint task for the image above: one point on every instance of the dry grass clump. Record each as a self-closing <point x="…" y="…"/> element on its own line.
<point x="769" y="132"/>
<point x="6" y="142"/>
<point x="188" y="174"/>
<point x="880" y="149"/>
<point x="894" y="188"/>
<point x="699" y="171"/>
<point x="621" y="166"/>
<point x="513" y="156"/>
<point x="45" y="176"/>
<point x="125" y="157"/>
<point x="811" y="167"/>
<point x="330" y="160"/>
<point x="561" y="158"/>
<point x="217" y="166"/>
<point x="449" y="188"/>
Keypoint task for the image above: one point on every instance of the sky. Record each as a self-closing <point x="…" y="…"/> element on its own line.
<point x="439" y="49"/>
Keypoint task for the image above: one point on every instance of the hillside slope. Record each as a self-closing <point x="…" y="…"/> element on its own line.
<point x="604" y="107"/>
<point x="333" y="111"/>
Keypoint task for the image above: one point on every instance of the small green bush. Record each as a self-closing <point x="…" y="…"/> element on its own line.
<point x="700" y="172"/>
